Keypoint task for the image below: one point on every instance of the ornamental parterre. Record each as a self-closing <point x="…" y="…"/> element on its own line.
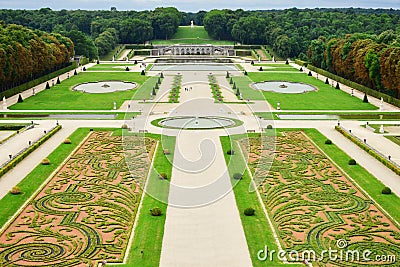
<point x="86" y="211"/>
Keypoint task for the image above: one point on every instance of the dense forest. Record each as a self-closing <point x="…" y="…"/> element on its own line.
<point x="359" y="44"/>
<point x="97" y="32"/>
<point x="370" y="60"/>
<point x="27" y="54"/>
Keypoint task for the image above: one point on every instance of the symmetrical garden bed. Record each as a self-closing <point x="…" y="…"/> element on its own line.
<point x="85" y="212"/>
<point x="313" y="204"/>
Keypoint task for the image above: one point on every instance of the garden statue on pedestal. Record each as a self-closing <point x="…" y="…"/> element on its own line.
<point x="4" y="103"/>
<point x="191" y="24"/>
<point x="115" y="105"/>
<point x="381" y="104"/>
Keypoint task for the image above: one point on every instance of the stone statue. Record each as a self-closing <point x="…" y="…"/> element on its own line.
<point x="191" y="24"/>
<point x="4" y="103"/>
<point x="381" y="104"/>
<point x="115" y="105"/>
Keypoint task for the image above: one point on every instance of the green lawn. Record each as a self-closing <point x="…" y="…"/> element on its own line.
<point x="149" y="232"/>
<point x="62" y="97"/>
<point x="111" y="66"/>
<point x="243" y="82"/>
<point x="257" y="230"/>
<point x="325" y="98"/>
<point x="188" y="35"/>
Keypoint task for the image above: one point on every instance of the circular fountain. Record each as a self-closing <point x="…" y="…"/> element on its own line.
<point x="197" y="123"/>
<point x="284" y="87"/>
<point x="104" y="87"/>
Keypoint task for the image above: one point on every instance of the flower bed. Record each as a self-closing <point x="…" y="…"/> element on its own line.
<point x="85" y="212"/>
<point x="313" y="204"/>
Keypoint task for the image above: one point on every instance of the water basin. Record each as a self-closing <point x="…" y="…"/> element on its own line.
<point x="194" y="67"/>
<point x="192" y="122"/>
<point x="104" y="87"/>
<point x="284" y="87"/>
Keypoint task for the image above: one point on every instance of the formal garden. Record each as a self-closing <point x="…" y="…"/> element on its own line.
<point x="313" y="197"/>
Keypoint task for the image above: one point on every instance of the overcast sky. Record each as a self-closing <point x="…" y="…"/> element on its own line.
<point x="193" y="5"/>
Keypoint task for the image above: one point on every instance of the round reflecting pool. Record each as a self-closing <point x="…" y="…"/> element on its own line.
<point x="198" y="123"/>
<point x="104" y="87"/>
<point x="284" y="87"/>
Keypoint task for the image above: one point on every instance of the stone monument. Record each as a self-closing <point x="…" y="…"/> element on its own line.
<point x="4" y="103"/>
<point x="191" y="24"/>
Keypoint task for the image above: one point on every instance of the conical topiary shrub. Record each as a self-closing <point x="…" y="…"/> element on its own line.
<point x="287" y="62"/>
<point x="365" y="99"/>
<point x="75" y="73"/>
<point x="58" y="80"/>
<point x="231" y="81"/>
<point x="20" y="100"/>
<point x="234" y="85"/>
<point x="154" y="91"/>
<point x="309" y="73"/>
<point x="161" y="75"/>
<point x="337" y="86"/>
<point x="142" y="73"/>
<point x="127" y="68"/>
<point x="227" y="74"/>
<point x="237" y="92"/>
<point x="260" y="69"/>
<point x="47" y="85"/>
<point x="326" y="81"/>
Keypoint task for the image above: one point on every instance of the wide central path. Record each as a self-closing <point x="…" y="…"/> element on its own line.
<point x="203" y="226"/>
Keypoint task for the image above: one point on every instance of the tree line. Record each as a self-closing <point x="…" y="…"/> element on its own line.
<point x="370" y="60"/>
<point x="97" y="32"/>
<point x="289" y="32"/>
<point x="27" y="54"/>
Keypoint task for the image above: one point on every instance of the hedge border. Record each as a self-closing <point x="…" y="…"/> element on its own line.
<point x="22" y="129"/>
<point x="374" y="153"/>
<point x="387" y="98"/>
<point x="23" y="87"/>
<point x="28" y="151"/>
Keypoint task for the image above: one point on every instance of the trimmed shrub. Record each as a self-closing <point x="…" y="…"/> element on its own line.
<point x="245" y="73"/>
<point x="98" y="62"/>
<point x="154" y="91"/>
<point x="328" y="142"/>
<point x="124" y="126"/>
<point x="326" y="81"/>
<point x="337" y="86"/>
<point x="84" y="69"/>
<point x="20" y="100"/>
<point x="75" y="73"/>
<point x="386" y="191"/>
<point x="161" y="75"/>
<point x="237" y="176"/>
<point x="143" y="73"/>
<point x="301" y="69"/>
<point x="67" y="141"/>
<point x="287" y="62"/>
<point x="58" y="80"/>
<point x="352" y="162"/>
<point x="47" y="85"/>
<point x="261" y="68"/>
<point x="45" y="161"/>
<point x="163" y="176"/>
<point x="309" y="73"/>
<point x="227" y="74"/>
<point x="135" y="62"/>
<point x="365" y="99"/>
<point x="252" y="62"/>
<point x="230" y="152"/>
<point x="127" y="68"/>
<point x="249" y="211"/>
<point x="269" y="127"/>
<point x="156" y="211"/>
<point x="15" y="190"/>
